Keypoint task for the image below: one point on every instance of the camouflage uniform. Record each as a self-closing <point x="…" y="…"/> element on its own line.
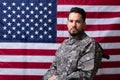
<point x="77" y="58"/>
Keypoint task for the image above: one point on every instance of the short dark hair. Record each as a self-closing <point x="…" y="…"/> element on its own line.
<point x="78" y="10"/>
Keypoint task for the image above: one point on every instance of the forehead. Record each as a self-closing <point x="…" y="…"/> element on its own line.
<point x="74" y="15"/>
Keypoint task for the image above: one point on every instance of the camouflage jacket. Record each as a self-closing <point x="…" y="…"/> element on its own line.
<point x="77" y="58"/>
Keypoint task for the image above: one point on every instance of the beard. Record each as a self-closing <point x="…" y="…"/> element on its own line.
<point x="75" y="32"/>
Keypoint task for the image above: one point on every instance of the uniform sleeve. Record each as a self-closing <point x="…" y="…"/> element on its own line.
<point x="88" y="64"/>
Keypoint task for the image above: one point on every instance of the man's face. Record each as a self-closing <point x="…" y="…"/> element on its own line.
<point x="75" y="23"/>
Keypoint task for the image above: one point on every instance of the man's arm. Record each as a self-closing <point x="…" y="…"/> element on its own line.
<point x="87" y="66"/>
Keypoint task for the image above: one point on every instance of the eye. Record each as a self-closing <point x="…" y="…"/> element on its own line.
<point x="71" y="21"/>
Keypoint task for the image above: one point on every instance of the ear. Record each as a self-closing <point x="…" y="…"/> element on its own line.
<point x="84" y="25"/>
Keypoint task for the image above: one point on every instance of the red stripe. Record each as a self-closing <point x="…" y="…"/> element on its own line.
<point x="93" y="14"/>
<point x="26" y="52"/>
<point x="89" y="2"/>
<point x="93" y="27"/>
<point x="110" y="64"/>
<point x="112" y="51"/>
<point x="25" y="65"/>
<point x="107" y="39"/>
<point x="98" y="39"/>
<point x="107" y="77"/>
<point x="19" y="77"/>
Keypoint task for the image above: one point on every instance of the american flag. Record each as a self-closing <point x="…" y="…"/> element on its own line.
<point x="32" y="30"/>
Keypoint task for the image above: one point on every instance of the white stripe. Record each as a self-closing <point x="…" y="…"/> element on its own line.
<point x="9" y="58"/>
<point x="92" y="8"/>
<point x="108" y="71"/>
<point x="112" y="58"/>
<point x="29" y="46"/>
<point x="16" y="71"/>
<point x="94" y="21"/>
<point x="115" y="45"/>
<point x="106" y="33"/>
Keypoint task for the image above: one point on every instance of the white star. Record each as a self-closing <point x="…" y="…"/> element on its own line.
<point x="4" y="28"/>
<point x="41" y="36"/>
<point x="49" y="28"/>
<point x="40" y="20"/>
<point x="36" y="24"/>
<point x="31" y="20"/>
<point x="49" y="12"/>
<point x="4" y="36"/>
<point x="18" y="32"/>
<point x="41" y="28"/>
<point x="41" y="12"/>
<point x="18" y="8"/>
<point x="36" y="8"/>
<point x="31" y="28"/>
<point x="49" y="36"/>
<point x="23" y="12"/>
<point x="36" y="16"/>
<point x="31" y="12"/>
<point x="18" y="16"/>
<point x="45" y="8"/>
<point x="45" y="24"/>
<point x="27" y="8"/>
<point x="4" y="19"/>
<point x="31" y="36"/>
<point x="23" y="4"/>
<point x="27" y="32"/>
<point x="41" y="4"/>
<point x="13" y="28"/>
<point x="13" y="4"/>
<point x="31" y="4"/>
<point x="13" y="20"/>
<point x="18" y="24"/>
<point x="45" y="16"/>
<point x="49" y="4"/>
<point x="27" y="16"/>
<point x="27" y="24"/>
<point x="4" y="3"/>
<point x="9" y="32"/>
<point x="9" y="24"/>
<point x="23" y="20"/>
<point x="9" y="8"/>
<point x="23" y="36"/>
<point x="45" y="32"/>
<point x="23" y="28"/>
<point x="4" y="11"/>
<point x="49" y="20"/>
<point x="13" y="11"/>
<point x="9" y="15"/>
<point x="13" y="36"/>
<point x="36" y="32"/>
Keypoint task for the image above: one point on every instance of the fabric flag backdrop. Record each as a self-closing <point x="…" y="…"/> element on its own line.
<point x="32" y="30"/>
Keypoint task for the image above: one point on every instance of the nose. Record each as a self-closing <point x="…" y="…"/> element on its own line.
<point x="73" y="24"/>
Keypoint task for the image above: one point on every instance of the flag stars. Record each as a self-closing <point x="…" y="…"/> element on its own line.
<point x="23" y="12"/>
<point x="4" y="36"/>
<point x="41" y="12"/>
<point x="13" y="11"/>
<point x="13" y="36"/>
<point x="50" y="4"/>
<point x="9" y="8"/>
<point x="9" y="32"/>
<point x="4" y="11"/>
<point x="13" y="4"/>
<point x="45" y="8"/>
<point x="27" y="32"/>
<point x="27" y="8"/>
<point x="23" y="4"/>
<point x="22" y="36"/>
<point x="18" y="32"/>
<point x="31" y="12"/>
<point x="9" y="16"/>
<point x="31" y="4"/>
<point x="36" y="8"/>
<point x="4" y="28"/>
<point x="18" y="16"/>
<point x="27" y="24"/>
<point x="45" y="16"/>
<point x="9" y="24"/>
<point x="4" y="19"/>
<point x="13" y="20"/>
<point x="27" y="16"/>
<point x="40" y="4"/>
<point x="18" y="24"/>
<point x="4" y="3"/>
<point x="18" y="8"/>
<point x="23" y="20"/>
<point x="31" y="20"/>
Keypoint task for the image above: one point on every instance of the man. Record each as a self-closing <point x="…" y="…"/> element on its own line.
<point x="78" y="57"/>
